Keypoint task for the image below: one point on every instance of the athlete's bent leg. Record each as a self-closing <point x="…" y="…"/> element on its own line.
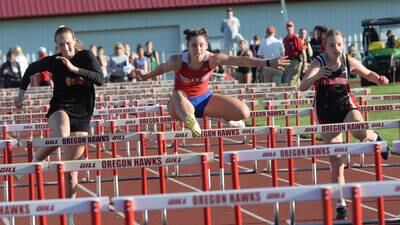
<point x="337" y="171"/>
<point x="59" y="127"/>
<point x="181" y="108"/>
<point x="227" y="108"/>
<point x="364" y="135"/>
<point x="73" y="152"/>
<point x="361" y="135"/>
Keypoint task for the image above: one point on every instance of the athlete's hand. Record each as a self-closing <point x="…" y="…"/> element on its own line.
<point x="68" y="64"/>
<point x="280" y="62"/>
<point x="323" y="73"/>
<point x="141" y="75"/>
<point x="382" y="80"/>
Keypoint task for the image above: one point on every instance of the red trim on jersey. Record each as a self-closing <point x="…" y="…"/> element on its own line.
<point x="193" y="82"/>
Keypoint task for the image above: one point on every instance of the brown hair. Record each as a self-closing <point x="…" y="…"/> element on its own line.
<point x="333" y="32"/>
<point x="63" y="29"/>
<point x="191" y="33"/>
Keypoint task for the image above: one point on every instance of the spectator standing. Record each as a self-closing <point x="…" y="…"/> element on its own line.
<point x="317" y="40"/>
<point x="103" y="61"/>
<point x="254" y="48"/>
<point x="295" y="51"/>
<point x="392" y="41"/>
<point x="119" y="64"/>
<point x="303" y="35"/>
<point x="152" y="55"/>
<point x="270" y="48"/>
<point x="10" y="71"/>
<point x="230" y="27"/>
<point x="21" y="59"/>
<point x="93" y="49"/>
<point x="244" y="72"/>
<point x="141" y="62"/>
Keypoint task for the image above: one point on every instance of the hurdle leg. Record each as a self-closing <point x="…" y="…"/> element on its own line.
<point x="116" y="187"/>
<point x="254" y="137"/>
<point x="276" y="213"/>
<point x="31" y="178"/>
<point x="164" y="216"/>
<point x="327" y="205"/>
<point x="128" y="147"/>
<point x="221" y="161"/>
<point x="86" y="153"/>
<point x="114" y="154"/>
<point x="6" y="178"/>
<point x="362" y="160"/>
<point x="274" y="173"/>
<point x="348" y="158"/>
<point x="236" y="186"/>
<point x="59" y="157"/>
<point x="291" y="177"/>
<point x="176" y="147"/>
<point x="161" y="145"/>
<point x="314" y="172"/>
<point x="98" y="156"/>
<point x="292" y="213"/>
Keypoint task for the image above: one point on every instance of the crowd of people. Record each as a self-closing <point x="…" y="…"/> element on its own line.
<point x="118" y="67"/>
<point x="299" y="47"/>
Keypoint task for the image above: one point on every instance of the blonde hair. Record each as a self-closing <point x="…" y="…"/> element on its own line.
<point x="333" y="32"/>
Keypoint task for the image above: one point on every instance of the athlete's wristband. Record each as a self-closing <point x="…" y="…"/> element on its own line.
<point x="268" y="63"/>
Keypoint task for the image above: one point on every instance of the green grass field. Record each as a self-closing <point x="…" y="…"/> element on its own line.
<point x="388" y="134"/>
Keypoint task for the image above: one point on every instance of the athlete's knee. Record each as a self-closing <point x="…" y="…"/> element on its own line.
<point x="337" y="162"/>
<point x="245" y="112"/>
<point x="360" y="135"/>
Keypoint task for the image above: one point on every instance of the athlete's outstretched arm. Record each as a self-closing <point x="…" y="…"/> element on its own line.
<point x="361" y="70"/>
<point x="314" y="73"/>
<point x="222" y="59"/>
<point x="173" y="64"/>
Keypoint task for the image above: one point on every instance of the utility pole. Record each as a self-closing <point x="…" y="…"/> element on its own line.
<point x="284" y="11"/>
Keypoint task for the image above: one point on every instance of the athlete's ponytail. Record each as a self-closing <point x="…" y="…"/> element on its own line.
<point x="190" y="33"/>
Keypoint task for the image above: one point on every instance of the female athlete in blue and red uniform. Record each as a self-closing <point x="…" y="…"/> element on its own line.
<point x="191" y="97"/>
<point x="334" y="103"/>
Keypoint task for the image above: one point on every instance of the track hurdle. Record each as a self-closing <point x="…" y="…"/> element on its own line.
<point x="256" y="196"/>
<point x="8" y="183"/>
<point x="87" y="165"/>
<point x="213" y="133"/>
<point x="234" y="157"/>
<point x="396" y="147"/>
<point x="340" y="127"/>
<point x="143" y="162"/>
<point x="42" y="208"/>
